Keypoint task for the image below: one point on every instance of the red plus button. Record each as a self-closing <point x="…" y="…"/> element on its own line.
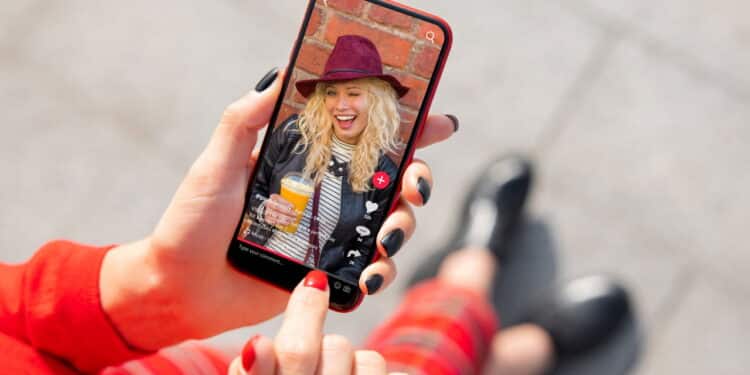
<point x="380" y="180"/>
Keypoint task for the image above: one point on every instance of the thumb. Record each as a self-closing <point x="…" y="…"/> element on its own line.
<point x="234" y="138"/>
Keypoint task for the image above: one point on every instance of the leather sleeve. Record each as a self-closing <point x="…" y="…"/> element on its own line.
<point x="272" y="153"/>
<point x="354" y="266"/>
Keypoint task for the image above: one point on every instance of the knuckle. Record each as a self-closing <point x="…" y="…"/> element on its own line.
<point x="232" y="114"/>
<point x="369" y="361"/>
<point x="336" y="344"/>
<point x="295" y="354"/>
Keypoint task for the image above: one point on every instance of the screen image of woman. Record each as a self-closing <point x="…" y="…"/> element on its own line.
<point x="323" y="182"/>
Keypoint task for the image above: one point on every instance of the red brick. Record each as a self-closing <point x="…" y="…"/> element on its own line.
<point x="284" y="113"/>
<point x="389" y="17"/>
<point x="425" y="27"/>
<point x="404" y="131"/>
<point x="312" y="58"/>
<point x="315" y="20"/>
<point x="393" y="50"/>
<point x="417" y="89"/>
<point x="292" y="96"/>
<point x="347" y="6"/>
<point x="407" y="117"/>
<point x="298" y="98"/>
<point x="425" y="61"/>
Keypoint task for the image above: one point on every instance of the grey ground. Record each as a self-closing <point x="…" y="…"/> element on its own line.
<point x="636" y="113"/>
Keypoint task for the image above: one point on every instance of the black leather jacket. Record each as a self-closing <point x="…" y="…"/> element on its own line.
<point x="346" y="253"/>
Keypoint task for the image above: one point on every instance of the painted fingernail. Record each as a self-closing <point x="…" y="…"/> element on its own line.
<point x="454" y="119"/>
<point x="424" y="189"/>
<point x="267" y="80"/>
<point x="317" y="279"/>
<point x="248" y="353"/>
<point x="373" y="283"/>
<point x="392" y="242"/>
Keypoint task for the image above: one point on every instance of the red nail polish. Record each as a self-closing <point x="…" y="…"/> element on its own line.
<point x="248" y="353"/>
<point x="317" y="279"/>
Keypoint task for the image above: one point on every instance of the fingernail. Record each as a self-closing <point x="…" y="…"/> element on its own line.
<point x="267" y="80"/>
<point x="424" y="189"/>
<point x="392" y="242"/>
<point x="317" y="279"/>
<point x="373" y="283"/>
<point x="454" y="119"/>
<point x="248" y="353"/>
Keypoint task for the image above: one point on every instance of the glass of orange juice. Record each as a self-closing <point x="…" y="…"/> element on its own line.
<point x="296" y="189"/>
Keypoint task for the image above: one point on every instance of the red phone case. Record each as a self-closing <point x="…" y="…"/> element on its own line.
<point x="419" y="125"/>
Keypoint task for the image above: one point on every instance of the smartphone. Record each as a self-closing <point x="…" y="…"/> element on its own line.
<point x="361" y="77"/>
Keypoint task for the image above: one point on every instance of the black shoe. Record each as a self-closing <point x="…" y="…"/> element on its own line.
<point x="490" y="213"/>
<point x="582" y="314"/>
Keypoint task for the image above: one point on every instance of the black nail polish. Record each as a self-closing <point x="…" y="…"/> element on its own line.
<point x="267" y="80"/>
<point x="373" y="283"/>
<point x="424" y="189"/>
<point x="454" y="119"/>
<point x="392" y="242"/>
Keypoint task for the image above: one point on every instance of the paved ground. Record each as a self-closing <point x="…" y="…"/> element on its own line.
<point x="637" y="114"/>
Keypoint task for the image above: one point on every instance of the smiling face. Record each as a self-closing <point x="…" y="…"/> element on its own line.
<point x="348" y="104"/>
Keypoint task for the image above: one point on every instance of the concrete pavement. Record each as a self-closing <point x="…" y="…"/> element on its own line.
<point x="636" y="114"/>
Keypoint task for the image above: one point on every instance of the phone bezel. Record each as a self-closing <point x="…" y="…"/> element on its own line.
<point x="284" y="273"/>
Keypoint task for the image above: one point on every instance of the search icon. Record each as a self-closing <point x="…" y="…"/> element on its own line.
<point x="430" y="35"/>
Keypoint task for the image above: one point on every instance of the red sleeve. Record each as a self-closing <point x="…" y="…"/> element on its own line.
<point x="52" y="303"/>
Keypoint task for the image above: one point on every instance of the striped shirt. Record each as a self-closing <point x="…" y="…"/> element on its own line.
<point x="295" y="244"/>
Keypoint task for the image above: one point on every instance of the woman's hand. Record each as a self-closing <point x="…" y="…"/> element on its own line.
<point x="176" y="284"/>
<point x="278" y="211"/>
<point x="300" y="348"/>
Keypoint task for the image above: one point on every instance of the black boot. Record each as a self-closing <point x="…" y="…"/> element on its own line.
<point x="581" y="314"/>
<point x="490" y="213"/>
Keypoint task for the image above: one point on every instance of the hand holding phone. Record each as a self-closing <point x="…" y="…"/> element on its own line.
<point x="175" y="284"/>
<point x="361" y="79"/>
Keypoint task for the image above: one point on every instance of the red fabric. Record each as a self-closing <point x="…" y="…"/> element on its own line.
<point x="438" y="329"/>
<point x="51" y="319"/>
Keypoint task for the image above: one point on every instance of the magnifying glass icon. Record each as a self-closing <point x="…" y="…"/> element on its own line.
<point x="430" y="35"/>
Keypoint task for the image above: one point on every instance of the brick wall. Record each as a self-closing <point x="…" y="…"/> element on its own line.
<point x="400" y="39"/>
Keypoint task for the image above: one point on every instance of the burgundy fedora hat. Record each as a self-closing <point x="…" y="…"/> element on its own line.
<point x="352" y="57"/>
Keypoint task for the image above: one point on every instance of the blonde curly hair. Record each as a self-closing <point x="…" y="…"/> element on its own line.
<point x="381" y="135"/>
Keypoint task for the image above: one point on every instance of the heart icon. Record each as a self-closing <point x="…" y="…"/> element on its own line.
<point x="371" y="207"/>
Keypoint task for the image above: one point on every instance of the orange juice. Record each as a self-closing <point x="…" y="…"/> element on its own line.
<point x="297" y="190"/>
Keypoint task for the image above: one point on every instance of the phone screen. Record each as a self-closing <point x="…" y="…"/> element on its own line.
<point x="331" y="161"/>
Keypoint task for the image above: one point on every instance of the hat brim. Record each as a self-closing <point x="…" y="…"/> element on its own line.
<point x="307" y="87"/>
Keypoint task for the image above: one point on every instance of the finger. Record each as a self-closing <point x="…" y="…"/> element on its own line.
<point x="281" y="203"/>
<point x="368" y="362"/>
<point x="416" y="186"/>
<point x="377" y="276"/>
<point x="337" y="356"/>
<point x="257" y="358"/>
<point x="234" y="138"/>
<point x="397" y="229"/>
<point x="298" y="341"/>
<point x="437" y="128"/>
<point x="280" y="215"/>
